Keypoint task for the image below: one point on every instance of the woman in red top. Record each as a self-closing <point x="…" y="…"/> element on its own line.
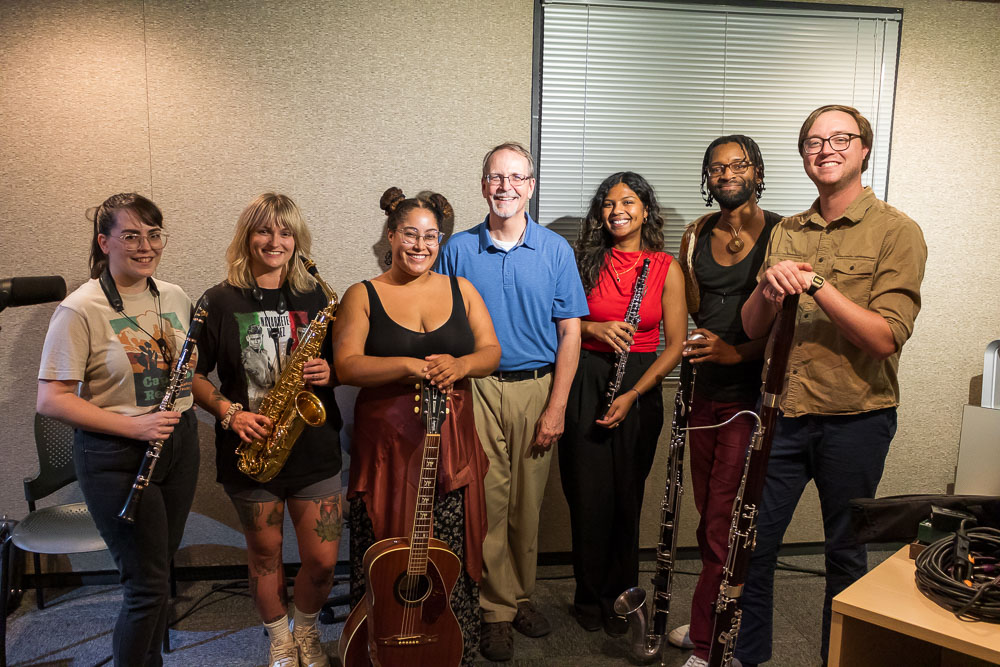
<point x="606" y="452"/>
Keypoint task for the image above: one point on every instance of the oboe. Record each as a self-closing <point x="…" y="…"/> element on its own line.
<point x="177" y="375"/>
<point x="647" y="642"/>
<point x="743" y="528"/>
<point x="632" y="319"/>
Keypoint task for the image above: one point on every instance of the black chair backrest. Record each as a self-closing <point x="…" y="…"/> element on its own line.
<point x="54" y="442"/>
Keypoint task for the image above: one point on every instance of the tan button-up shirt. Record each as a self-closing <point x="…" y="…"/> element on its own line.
<point x="874" y="255"/>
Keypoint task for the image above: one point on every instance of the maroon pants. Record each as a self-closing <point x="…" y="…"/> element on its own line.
<point x="717" y="460"/>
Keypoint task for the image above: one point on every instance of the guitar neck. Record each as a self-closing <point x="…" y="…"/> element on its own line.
<point x="423" y="516"/>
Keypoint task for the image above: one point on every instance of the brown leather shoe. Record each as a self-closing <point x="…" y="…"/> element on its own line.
<point x="496" y="641"/>
<point x="529" y="621"/>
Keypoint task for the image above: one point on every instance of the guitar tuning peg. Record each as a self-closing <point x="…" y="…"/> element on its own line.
<point x="416" y="409"/>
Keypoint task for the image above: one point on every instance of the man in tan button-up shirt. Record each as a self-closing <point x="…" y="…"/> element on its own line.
<point x="858" y="264"/>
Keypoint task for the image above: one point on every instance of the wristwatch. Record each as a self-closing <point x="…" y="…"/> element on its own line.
<point x="228" y="417"/>
<point x="818" y="281"/>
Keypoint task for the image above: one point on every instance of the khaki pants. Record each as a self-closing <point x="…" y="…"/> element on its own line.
<point x="506" y="414"/>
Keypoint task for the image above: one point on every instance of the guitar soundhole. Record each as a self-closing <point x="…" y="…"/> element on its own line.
<point x="412" y="589"/>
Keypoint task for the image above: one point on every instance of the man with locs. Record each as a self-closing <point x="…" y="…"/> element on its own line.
<point x="858" y="264"/>
<point x="721" y="253"/>
<point x="528" y="279"/>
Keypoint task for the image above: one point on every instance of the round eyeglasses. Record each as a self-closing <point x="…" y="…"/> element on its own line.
<point x="409" y="236"/>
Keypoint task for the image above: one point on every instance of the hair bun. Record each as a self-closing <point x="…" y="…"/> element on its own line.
<point x="445" y="212"/>
<point x="391" y="198"/>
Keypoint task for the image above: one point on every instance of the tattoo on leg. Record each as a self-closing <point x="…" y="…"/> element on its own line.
<point x="277" y="515"/>
<point x="269" y="566"/>
<point x="249" y="512"/>
<point x="330" y="523"/>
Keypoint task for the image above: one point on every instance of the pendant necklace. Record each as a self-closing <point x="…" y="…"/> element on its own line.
<point x="736" y="243"/>
<point x="618" y="276"/>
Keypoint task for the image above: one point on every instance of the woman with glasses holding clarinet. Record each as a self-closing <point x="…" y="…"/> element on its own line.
<point x="105" y="365"/>
<point x="615" y="410"/>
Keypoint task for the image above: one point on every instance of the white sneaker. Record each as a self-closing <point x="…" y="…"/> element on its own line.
<point x="695" y="661"/>
<point x="311" y="653"/>
<point x="284" y="655"/>
<point x="681" y="637"/>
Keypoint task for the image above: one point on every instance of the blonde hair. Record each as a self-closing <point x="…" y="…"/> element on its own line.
<point x="280" y="211"/>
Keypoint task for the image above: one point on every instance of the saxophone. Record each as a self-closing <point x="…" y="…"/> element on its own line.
<point x="289" y="405"/>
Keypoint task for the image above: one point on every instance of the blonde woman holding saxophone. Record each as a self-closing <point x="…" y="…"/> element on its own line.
<point x="256" y="318"/>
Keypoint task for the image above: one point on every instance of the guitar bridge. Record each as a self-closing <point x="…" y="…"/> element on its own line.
<point x="407" y="640"/>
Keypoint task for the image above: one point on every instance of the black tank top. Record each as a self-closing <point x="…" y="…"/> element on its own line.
<point x="386" y="338"/>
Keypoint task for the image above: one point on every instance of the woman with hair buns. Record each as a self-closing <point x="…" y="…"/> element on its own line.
<point x="410" y="325"/>
<point x="105" y="363"/>
<point x="256" y="317"/>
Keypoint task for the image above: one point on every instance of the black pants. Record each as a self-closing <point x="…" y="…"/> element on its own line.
<point x="106" y="467"/>
<point x="603" y="475"/>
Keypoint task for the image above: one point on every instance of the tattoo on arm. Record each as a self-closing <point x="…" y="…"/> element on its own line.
<point x="330" y="523"/>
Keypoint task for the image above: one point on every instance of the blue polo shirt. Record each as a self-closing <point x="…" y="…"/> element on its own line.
<point x="526" y="289"/>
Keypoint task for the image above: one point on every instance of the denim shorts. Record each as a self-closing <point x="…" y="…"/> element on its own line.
<point x="324" y="488"/>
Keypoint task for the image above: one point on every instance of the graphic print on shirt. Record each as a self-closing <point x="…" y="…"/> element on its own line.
<point x="150" y="371"/>
<point x="266" y="340"/>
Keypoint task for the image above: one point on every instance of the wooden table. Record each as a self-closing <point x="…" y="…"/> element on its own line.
<point x="883" y="620"/>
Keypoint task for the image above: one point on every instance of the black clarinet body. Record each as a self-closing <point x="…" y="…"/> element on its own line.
<point x="743" y="527"/>
<point x="170" y="395"/>
<point x="632" y="319"/>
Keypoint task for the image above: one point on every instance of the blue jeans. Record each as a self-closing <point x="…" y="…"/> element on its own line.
<point x="845" y="456"/>
<point x="106" y="467"/>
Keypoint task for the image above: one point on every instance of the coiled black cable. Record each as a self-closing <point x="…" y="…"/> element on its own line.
<point x="973" y="599"/>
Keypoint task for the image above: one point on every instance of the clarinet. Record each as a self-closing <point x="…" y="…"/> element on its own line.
<point x="177" y="376"/>
<point x="631" y="318"/>
<point x="743" y="528"/>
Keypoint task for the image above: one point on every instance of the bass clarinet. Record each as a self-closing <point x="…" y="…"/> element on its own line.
<point x="170" y="396"/>
<point x="632" y="319"/>
<point x="743" y="528"/>
<point x="646" y="643"/>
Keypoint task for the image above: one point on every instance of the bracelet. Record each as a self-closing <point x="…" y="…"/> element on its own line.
<point x="228" y="417"/>
<point x="637" y="394"/>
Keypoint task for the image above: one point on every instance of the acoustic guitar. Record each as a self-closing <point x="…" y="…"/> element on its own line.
<point x="405" y="617"/>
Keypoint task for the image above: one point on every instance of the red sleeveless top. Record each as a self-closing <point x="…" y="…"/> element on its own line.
<point x="609" y="299"/>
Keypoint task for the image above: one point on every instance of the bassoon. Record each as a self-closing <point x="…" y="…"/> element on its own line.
<point x="743" y="526"/>
<point x="170" y="396"/>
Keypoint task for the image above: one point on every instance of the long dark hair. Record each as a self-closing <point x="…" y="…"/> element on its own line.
<point x="594" y="243"/>
<point x="103" y="219"/>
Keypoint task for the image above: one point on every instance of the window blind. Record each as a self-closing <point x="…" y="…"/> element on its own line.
<point x="646" y="87"/>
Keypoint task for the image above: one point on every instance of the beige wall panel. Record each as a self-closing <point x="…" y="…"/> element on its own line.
<point x="72" y="132"/>
<point x="333" y="102"/>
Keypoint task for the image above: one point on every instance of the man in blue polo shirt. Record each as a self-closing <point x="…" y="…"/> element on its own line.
<point x="528" y="278"/>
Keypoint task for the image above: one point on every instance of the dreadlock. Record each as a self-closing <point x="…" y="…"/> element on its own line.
<point x="750" y="150"/>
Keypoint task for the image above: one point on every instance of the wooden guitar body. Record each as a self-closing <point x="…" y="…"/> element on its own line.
<point x="404" y="620"/>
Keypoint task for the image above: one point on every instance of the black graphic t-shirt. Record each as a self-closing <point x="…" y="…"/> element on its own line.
<point x="249" y="342"/>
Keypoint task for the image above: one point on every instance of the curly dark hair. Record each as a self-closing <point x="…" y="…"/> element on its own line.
<point x="750" y="149"/>
<point x="595" y="242"/>
<point x="396" y="205"/>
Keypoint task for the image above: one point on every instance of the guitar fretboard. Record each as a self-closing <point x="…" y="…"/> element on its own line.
<point x="423" y="516"/>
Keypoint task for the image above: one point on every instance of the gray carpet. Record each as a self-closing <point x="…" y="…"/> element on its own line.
<point x="75" y="628"/>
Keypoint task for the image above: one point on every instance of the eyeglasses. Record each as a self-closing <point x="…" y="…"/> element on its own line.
<point x="838" y="142"/>
<point x="131" y="240"/>
<point x="409" y="236"/>
<point x="737" y="167"/>
<point x="515" y="179"/>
